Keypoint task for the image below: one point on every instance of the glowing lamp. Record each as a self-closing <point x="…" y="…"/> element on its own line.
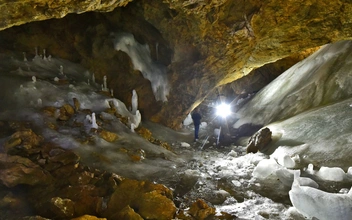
<point x="223" y="110"/>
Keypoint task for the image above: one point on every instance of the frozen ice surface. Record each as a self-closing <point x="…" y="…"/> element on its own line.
<point x="265" y="168"/>
<point x="313" y="82"/>
<point x="313" y="202"/>
<point x="286" y="161"/>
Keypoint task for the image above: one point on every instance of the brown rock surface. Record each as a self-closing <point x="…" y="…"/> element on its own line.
<point x="88" y="217"/>
<point x="153" y="201"/>
<point x="201" y="210"/>
<point x="259" y="140"/>
<point x="16" y="170"/>
<point x="18" y="12"/>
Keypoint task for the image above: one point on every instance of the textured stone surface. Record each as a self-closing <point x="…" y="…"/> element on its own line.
<point x="153" y="201"/>
<point x="259" y="140"/>
<point x="56" y="186"/>
<point x="17" y="12"/>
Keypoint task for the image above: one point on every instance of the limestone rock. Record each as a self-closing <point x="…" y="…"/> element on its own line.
<point x="151" y="201"/>
<point x="77" y="104"/>
<point x="49" y="111"/>
<point x="259" y="140"/>
<point x="127" y="213"/>
<point x="62" y="208"/>
<point x="66" y="112"/>
<point x="88" y="217"/>
<point x="26" y="139"/>
<point x="107" y="135"/>
<point x="17" y="170"/>
<point x="19" y="12"/>
<point x="201" y="210"/>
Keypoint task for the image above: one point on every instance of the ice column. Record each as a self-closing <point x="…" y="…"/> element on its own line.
<point x="94" y="121"/>
<point x="133" y="126"/>
<point x="44" y="56"/>
<point x="105" y="86"/>
<point x="155" y="72"/>
<point x="134" y="102"/>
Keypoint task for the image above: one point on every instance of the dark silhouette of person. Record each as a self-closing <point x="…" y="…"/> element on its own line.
<point x="196" y="121"/>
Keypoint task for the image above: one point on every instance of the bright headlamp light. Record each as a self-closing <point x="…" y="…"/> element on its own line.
<point x="223" y="110"/>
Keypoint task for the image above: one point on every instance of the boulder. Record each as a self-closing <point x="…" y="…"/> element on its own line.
<point x="259" y="140"/>
<point x="201" y="210"/>
<point x="150" y="201"/>
<point x="107" y="135"/>
<point x="66" y="112"/>
<point x="18" y="170"/>
<point x="23" y="139"/>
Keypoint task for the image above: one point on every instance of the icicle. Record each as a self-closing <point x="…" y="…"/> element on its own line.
<point x="112" y="92"/>
<point x="88" y="82"/>
<point x="34" y="79"/>
<point x="93" y="78"/>
<point x="156" y="49"/>
<point x="49" y="57"/>
<point x="24" y="57"/>
<point x="134" y="102"/>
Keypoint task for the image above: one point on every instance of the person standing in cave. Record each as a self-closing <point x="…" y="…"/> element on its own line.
<point x="196" y="121"/>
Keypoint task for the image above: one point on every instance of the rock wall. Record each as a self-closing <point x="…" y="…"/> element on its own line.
<point x="17" y="12"/>
<point x="203" y="44"/>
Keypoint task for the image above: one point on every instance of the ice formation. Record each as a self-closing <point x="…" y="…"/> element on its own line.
<point x="105" y="84"/>
<point x="315" y="81"/>
<point x="286" y="161"/>
<point x="265" y="168"/>
<point x="188" y="120"/>
<point x="134" y="102"/>
<point x="315" y="203"/>
<point x="331" y="173"/>
<point x="94" y="121"/>
<point x="142" y="61"/>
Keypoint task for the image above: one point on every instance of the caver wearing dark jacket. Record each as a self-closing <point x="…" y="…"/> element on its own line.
<point x="196" y="121"/>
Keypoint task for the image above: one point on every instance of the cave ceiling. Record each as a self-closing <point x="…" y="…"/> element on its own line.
<point x="204" y="44"/>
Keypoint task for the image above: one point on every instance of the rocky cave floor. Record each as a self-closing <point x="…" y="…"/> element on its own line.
<point x="128" y="171"/>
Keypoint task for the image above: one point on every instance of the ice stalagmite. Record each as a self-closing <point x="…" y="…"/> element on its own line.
<point x="134" y="102"/>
